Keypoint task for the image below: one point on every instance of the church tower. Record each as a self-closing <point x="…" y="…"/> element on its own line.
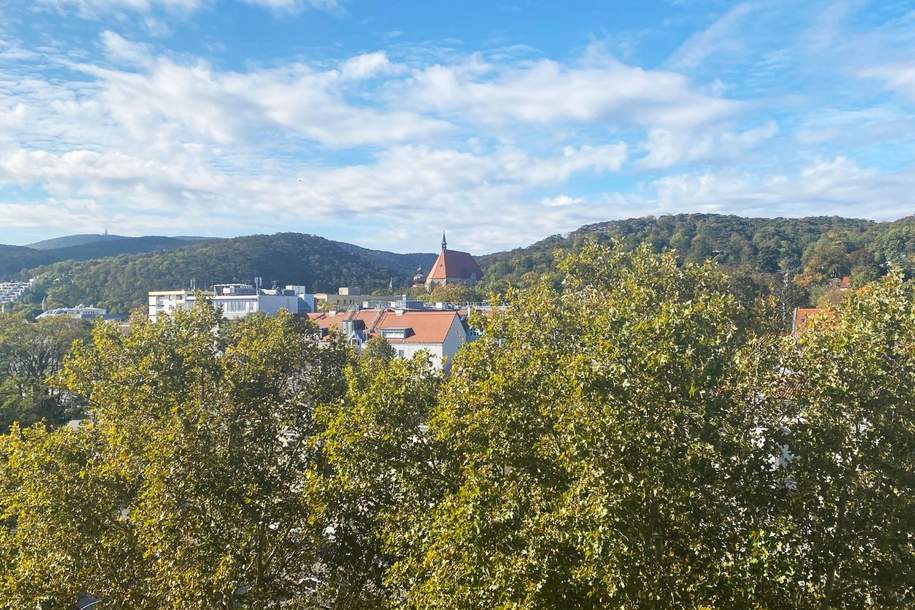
<point x="452" y="267"/>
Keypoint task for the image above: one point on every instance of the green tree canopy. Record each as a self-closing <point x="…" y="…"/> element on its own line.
<point x="29" y="354"/>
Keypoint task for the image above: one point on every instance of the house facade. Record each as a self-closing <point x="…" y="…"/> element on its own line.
<point x="235" y="300"/>
<point x="440" y="333"/>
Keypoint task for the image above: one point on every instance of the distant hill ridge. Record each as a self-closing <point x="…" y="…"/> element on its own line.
<point x="761" y="249"/>
<point x="82" y="239"/>
<point x="121" y="282"/>
<point x="14" y="259"/>
<point x="822" y="246"/>
<point x="67" y="241"/>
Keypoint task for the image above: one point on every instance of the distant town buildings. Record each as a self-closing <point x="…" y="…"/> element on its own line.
<point x="441" y="333"/>
<point x="451" y="267"/>
<point x="350" y="297"/>
<point x="80" y="312"/>
<point x="10" y="292"/>
<point x="235" y="300"/>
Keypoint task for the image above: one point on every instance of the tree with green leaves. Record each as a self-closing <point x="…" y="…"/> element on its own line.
<point x="383" y="468"/>
<point x="602" y="448"/>
<point x="632" y="432"/>
<point x="846" y="393"/>
<point x="202" y="431"/>
<point x="30" y="352"/>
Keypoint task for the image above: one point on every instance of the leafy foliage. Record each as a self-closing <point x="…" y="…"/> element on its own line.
<point x="638" y="434"/>
<point x="846" y="394"/>
<point x="29" y="354"/>
<point x="200" y="445"/>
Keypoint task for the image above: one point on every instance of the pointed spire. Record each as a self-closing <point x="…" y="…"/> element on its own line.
<point x="444" y="242"/>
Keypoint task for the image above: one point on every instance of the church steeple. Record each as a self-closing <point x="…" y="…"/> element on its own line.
<point x="444" y="242"/>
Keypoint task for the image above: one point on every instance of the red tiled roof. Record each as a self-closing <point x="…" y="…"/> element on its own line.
<point x="425" y="326"/>
<point x="801" y="314"/>
<point x="803" y="317"/>
<point x="454" y="264"/>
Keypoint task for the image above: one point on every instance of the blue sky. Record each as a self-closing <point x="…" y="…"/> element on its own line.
<point x="382" y="123"/>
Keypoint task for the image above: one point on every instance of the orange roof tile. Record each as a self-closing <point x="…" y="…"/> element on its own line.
<point x="425" y="326"/>
<point x="454" y="264"/>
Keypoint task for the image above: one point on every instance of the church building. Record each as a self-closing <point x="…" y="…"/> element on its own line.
<point x="453" y="267"/>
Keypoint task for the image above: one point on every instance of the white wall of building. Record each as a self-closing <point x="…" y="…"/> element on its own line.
<point x="234" y="306"/>
<point x="442" y="353"/>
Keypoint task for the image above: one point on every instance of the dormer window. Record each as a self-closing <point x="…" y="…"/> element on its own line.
<point x="396" y="333"/>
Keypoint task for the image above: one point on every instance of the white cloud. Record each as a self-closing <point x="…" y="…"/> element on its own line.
<point x="561" y="201"/>
<point x="196" y="101"/>
<point x="296" y="5"/>
<point x="407" y="186"/>
<point x="542" y="92"/>
<point x="667" y="148"/>
<point x="97" y="8"/>
<point x="838" y="186"/>
<point x="122" y="50"/>
<point x="720" y="37"/>
<point x="898" y="77"/>
<point x="369" y="65"/>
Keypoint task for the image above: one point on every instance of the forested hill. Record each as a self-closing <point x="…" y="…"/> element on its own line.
<point x="810" y="251"/>
<point x="79" y="239"/>
<point x="120" y="283"/>
<point x="813" y="250"/>
<point x="13" y="259"/>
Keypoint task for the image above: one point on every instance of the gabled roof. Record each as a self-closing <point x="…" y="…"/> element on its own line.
<point x="454" y="264"/>
<point x="426" y="327"/>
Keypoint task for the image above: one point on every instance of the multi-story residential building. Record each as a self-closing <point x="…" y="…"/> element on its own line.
<point x="11" y="291"/>
<point x="235" y="300"/>
<point x="441" y="333"/>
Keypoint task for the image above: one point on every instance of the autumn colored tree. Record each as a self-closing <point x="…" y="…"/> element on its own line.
<point x="846" y="391"/>
<point x="602" y="449"/>
<point x="201" y="443"/>
<point x="30" y="352"/>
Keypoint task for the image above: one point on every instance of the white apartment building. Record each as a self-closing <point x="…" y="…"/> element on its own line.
<point x="10" y="291"/>
<point x="235" y="300"/>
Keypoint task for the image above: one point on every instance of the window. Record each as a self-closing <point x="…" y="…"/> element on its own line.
<point x="239" y="305"/>
<point x="396" y="333"/>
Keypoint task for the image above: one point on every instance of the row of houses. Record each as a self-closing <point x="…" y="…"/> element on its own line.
<point x="409" y="326"/>
<point x="10" y="292"/>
